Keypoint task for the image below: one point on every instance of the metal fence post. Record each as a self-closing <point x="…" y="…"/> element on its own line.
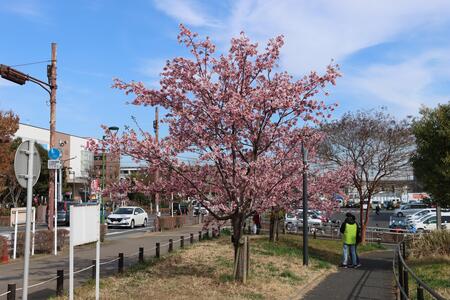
<point x="93" y="269"/>
<point x="400" y="274"/>
<point x="170" y="245"/>
<point x="191" y="238"/>
<point x="157" y="250"/>
<point x="120" y="263"/>
<point x="406" y="283"/>
<point x="182" y="241"/>
<point x="141" y="254"/>
<point x="12" y="292"/>
<point x="60" y="282"/>
<point x="419" y="292"/>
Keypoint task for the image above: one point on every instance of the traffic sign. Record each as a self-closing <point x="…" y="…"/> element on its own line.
<point x="54" y="164"/>
<point x="54" y="153"/>
<point x="21" y="163"/>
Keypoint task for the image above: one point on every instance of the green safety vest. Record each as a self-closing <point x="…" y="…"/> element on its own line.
<point x="350" y="234"/>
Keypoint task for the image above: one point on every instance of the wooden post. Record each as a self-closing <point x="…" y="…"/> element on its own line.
<point x="199" y="236"/>
<point x="182" y="241"/>
<point x="120" y="263"/>
<point x="12" y="292"/>
<point x="157" y="250"/>
<point x="218" y="231"/>
<point x="141" y="254"/>
<point x="94" y="269"/>
<point x="60" y="282"/>
<point x="400" y="274"/>
<point x="170" y="245"/>
<point x="191" y="238"/>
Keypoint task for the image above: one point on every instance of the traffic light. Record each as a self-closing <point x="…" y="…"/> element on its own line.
<point x="15" y="76"/>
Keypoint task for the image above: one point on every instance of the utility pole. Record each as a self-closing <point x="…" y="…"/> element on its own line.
<point x="305" y="207"/>
<point x="51" y="74"/>
<point x="156" y="128"/>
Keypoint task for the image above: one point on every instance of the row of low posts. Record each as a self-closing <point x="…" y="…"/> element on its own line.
<point x="12" y="289"/>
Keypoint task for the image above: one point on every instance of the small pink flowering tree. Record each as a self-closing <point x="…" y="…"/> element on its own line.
<point x="243" y="120"/>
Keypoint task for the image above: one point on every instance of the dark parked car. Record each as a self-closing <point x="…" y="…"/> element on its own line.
<point x="180" y="208"/>
<point x="63" y="208"/>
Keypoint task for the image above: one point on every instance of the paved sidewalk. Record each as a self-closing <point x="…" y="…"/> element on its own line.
<point x="43" y="267"/>
<point x="373" y="280"/>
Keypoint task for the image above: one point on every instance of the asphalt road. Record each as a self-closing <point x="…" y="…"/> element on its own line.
<point x="375" y="220"/>
<point x="112" y="232"/>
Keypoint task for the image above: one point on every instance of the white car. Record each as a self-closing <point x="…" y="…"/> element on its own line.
<point x="417" y="215"/>
<point x="128" y="216"/>
<point x="428" y="223"/>
<point x="408" y="209"/>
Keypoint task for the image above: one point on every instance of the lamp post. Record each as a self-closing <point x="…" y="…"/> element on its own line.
<point x="73" y="184"/>
<point x="18" y="77"/>
<point x="114" y="130"/>
<point x="305" y="207"/>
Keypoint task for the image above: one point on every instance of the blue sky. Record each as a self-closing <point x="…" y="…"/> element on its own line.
<point x="392" y="53"/>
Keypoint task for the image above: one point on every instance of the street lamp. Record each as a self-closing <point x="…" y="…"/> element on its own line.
<point x="8" y="73"/>
<point x="114" y="130"/>
<point x="305" y="207"/>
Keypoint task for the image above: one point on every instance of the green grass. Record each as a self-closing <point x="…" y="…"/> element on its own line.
<point x="290" y="275"/>
<point x="434" y="272"/>
<point x="252" y="296"/>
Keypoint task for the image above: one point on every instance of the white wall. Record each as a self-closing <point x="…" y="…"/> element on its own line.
<point x="40" y="135"/>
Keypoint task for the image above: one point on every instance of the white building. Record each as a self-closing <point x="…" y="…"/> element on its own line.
<point x="77" y="161"/>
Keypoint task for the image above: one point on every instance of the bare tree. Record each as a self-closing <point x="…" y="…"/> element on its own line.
<point x="375" y="144"/>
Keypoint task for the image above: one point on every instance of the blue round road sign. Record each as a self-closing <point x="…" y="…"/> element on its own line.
<point x="54" y="153"/>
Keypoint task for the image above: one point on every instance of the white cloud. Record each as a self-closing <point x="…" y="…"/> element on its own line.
<point x="27" y="8"/>
<point x="318" y="31"/>
<point x="405" y="85"/>
<point x="185" y="11"/>
<point x="321" y="30"/>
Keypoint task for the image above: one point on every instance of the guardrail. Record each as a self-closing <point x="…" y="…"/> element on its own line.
<point x="59" y="291"/>
<point x="402" y="277"/>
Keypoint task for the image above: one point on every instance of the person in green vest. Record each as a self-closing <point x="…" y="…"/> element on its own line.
<point x="349" y="230"/>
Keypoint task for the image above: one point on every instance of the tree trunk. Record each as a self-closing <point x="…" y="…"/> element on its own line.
<point x="240" y="251"/>
<point x="272" y="226"/>
<point x="277" y="225"/>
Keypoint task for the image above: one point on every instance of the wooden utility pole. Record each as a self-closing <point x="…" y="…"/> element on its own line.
<point x="156" y="128"/>
<point x="51" y="74"/>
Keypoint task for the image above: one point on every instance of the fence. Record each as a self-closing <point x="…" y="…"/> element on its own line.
<point x="12" y="289"/>
<point x="402" y="277"/>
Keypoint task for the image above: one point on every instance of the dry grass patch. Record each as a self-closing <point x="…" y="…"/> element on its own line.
<point x="204" y="271"/>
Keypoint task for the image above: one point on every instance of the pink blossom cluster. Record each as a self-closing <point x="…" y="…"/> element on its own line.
<point x="243" y="119"/>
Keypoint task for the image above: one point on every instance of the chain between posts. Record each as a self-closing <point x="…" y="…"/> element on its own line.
<point x="102" y="263"/>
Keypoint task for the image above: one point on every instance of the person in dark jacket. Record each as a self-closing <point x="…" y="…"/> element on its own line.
<point x="349" y="230"/>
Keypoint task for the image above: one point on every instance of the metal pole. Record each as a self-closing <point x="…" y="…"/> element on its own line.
<point x="56" y="212"/>
<point x="305" y="208"/>
<point x="26" y="263"/>
<point x="34" y="230"/>
<point x="51" y="74"/>
<point x="97" y="271"/>
<point x="71" y="242"/>
<point x="15" y="234"/>
<point x="156" y="128"/>
<point x="102" y="220"/>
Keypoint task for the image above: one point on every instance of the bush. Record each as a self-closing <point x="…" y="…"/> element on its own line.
<point x="436" y="243"/>
<point x="43" y="241"/>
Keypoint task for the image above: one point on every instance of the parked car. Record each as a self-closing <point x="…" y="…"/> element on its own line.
<point x="417" y="215"/>
<point x="398" y="224"/>
<point x="400" y="212"/>
<point x="180" y="208"/>
<point x="63" y="211"/>
<point x="128" y="216"/>
<point x="429" y="222"/>
<point x="293" y="221"/>
<point x="198" y="208"/>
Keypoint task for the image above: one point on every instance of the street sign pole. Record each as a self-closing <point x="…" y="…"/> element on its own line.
<point x="55" y="216"/>
<point x="26" y="263"/>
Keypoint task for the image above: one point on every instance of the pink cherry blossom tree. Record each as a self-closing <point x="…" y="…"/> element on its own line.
<point x="242" y="118"/>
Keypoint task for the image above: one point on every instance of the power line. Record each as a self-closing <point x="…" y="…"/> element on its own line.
<point x="32" y="63"/>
